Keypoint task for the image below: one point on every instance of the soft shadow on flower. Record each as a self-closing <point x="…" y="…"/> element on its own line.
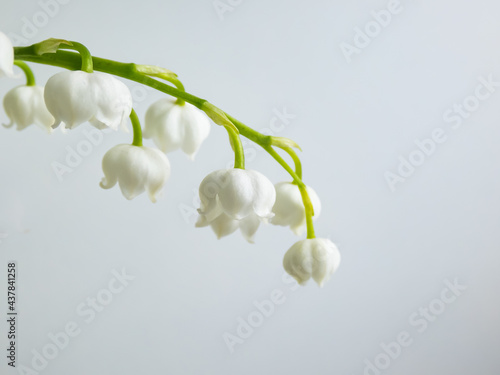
<point x="318" y="258"/>
<point x="25" y="106"/>
<point x="235" y="198"/>
<point x="289" y="208"/>
<point x="6" y="57"/>
<point x="136" y="169"/>
<point x="77" y="97"/>
<point x="173" y="126"/>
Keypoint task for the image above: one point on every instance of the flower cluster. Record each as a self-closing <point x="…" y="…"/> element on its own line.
<point x="231" y="199"/>
<point x="235" y="198"/>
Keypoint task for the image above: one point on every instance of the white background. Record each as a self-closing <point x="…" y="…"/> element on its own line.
<point x="353" y="120"/>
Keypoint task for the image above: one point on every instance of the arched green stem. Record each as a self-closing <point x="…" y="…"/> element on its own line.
<point x="306" y="200"/>
<point x="296" y="160"/>
<point x="162" y="73"/>
<point x="177" y="83"/>
<point x="283" y="163"/>
<point x="309" y="211"/>
<point x="30" y="77"/>
<point x="87" y="63"/>
<point x="239" y="154"/>
<point x="73" y="61"/>
<point x="136" y="126"/>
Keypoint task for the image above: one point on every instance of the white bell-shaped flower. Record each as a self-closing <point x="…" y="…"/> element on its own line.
<point x="6" y="57"/>
<point x="136" y="169"/>
<point x="173" y="126"/>
<point x="289" y="208"/>
<point x="318" y="258"/>
<point x="25" y="106"/>
<point x="76" y="97"/>
<point x="235" y="198"/>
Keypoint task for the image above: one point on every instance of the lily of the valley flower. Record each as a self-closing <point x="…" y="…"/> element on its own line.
<point x="318" y="258"/>
<point x="173" y="126"/>
<point x="289" y="209"/>
<point x="77" y="97"/>
<point x="136" y="169"/>
<point x="235" y="198"/>
<point x="6" y="57"/>
<point x="25" y="106"/>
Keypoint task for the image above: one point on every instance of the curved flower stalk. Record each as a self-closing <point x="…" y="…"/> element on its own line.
<point x="25" y="106"/>
<point x="318" y="258"/>
<point x="289" y="207"/>
<point x="6" y="57"/>
<point x="136" y="169"/>
<point x="235" y="198"/>
<point x="77" y="97"/>
<point x="172" y="125"/>
<point x="231" y="199"/>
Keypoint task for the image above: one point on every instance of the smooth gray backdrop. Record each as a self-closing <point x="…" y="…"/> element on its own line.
<point x="356" y="121"/>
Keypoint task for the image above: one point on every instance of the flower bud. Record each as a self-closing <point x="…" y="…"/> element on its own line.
<point x="318" y="258"/>
<point x="77" y="97"/>
<point x="6" y="57"/>
<point x="25" y="106"/>
<point x="173" y="126"/>
<point x="136" y="169"/>
<point x="289" y="208"/>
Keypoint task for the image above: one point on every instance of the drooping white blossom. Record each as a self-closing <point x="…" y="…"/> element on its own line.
<point x="173" y="126"/>
<point x="6" y="57"/>
<point x="289" y="208"/>
<point x="318" y="258"/>
<point x="136" y="169"/>
<point x="77" y="97"/>
<point x="235" y="198"/>
<point x="25" y="106"/>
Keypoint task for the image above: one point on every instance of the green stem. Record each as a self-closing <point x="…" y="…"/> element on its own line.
<point x="136" y="126"/>
<point x="284" y="164"/>
<point x="30" y="77"/>
<point x="248" y="132"/>
<point x="309" y="211"/>
<point x="239" y="154"/>
<point x="296" y="160"/>
<point x="87" y="64"/>
<point x="306" y="200"/>
<point x="177" y="83"/>
<point x="73" y="61"/>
